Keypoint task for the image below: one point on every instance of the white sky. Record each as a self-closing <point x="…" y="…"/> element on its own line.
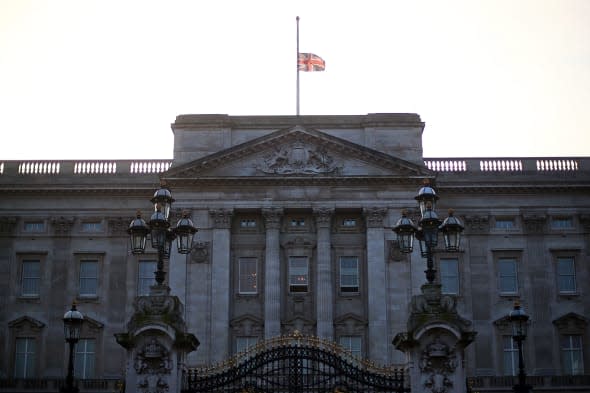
<point x="104" y="79"/>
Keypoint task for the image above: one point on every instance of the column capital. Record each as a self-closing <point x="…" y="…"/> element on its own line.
<point x="323" y="216"/>
<point x="374" y="216"/>
<point x="272" y="217"/>
<point x="221" y="218"/>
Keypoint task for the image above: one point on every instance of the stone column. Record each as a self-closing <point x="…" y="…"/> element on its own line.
<point x="221" y="289"/>
<point x="377" y="286"/>
<point x="272" y="274"/>
<point x="324" y="290"/>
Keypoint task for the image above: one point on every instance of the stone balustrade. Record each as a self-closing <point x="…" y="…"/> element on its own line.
<point x="549" y="383"/>
<point x="508" y="164"/>
<point x="138" y="167"/>
<point x="82" y="167"/>
<point x="54" y="384"/>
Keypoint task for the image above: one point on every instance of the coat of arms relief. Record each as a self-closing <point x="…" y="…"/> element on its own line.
<point x="298" y="158"/>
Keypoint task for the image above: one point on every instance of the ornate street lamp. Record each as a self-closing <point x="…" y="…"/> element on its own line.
<point x="519" y="321"/>
<point x="73" y="320"/>
<point x="161" y="235"/>
<point x="427" y="231"/>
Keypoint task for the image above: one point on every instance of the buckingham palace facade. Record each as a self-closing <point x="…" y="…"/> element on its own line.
<point x="294" y="217"/>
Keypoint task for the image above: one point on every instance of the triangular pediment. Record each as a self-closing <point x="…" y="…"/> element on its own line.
<point x="297" y="152"/>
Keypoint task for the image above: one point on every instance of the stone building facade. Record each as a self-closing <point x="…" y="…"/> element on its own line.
<point x="295" y="218"/>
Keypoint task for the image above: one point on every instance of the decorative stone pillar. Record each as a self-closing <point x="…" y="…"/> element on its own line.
<point x="376" y="285"/>
<point x="272" y="274"/>
<point x="324" y="291"/>
<point x="435" y="342"/>
<point x="221" y="288"/>
<point x="157" y="344"/>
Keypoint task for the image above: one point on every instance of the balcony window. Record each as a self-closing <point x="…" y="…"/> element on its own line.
<point x="349" y="274"/>
<point x="245" y="342"/>
<point x="248" y="282"/>
<point x="510" y="355"/>
<point x="146" y="277"/>
<point x="351" y="344"/>
<point x="298" y="274"/>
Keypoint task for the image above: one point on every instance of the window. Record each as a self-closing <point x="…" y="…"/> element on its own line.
<point x="30" y="277"/>
<point x="146" y="277"/>
<point x="248" y="282"/>
<point x="510" y="357"/>
<point x="349" y="274"/>
<point x="245" y="342"/>
<point x="571" y="355"/>
<point x="85" y="358"/>
<point x="449" y="275"/>
<point x="298" y="274"/>
<point x="349" y="222"/>
<point x="507" y="276"/>
<point x="352" y="344"/>
<point x="562" y="223"/>
<point x="92" y="226"/>
<point x="24" y="361"/>
<point x="566" y="275"/>
<point x="248" y="223"/>
<point x="88" y="277"/>
<point x="34" y="226"/>
<point x="298" y="222"/>
<point x="504" y="223"/>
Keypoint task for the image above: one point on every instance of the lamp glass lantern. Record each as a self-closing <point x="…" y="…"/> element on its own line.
<point x="184" y="231"/>
<point x="519" y="320"/>
<point x="429" y="224"/>
<point x="405" y="230"/>
<point x="426" y="198"/>
<point x="159" y="228"/>
<point x="162" y="201"/>
<point x="138" y="231"/>
<point x="451" y="229"/>
<point x="73" y="320"/>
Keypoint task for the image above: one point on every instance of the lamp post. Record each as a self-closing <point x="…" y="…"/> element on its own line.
<point x="427" y="230"/>
<point x="73" y="320"/>
<point x="160" y="233"/>
<point x="519" y="321"/>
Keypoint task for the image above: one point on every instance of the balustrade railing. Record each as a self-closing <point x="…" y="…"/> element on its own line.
<point x="538" y="382"/>
<point x="83" y="167"/>
<point x="508" y="164"/>
<point x="55" y="384"/>
<point x="549" y="165"/>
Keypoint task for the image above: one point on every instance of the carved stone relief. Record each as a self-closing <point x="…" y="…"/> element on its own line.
<point x="298" y="158"/>
<point x="153" y="365"/>
<point x="62" y="225"/>
<point x="437" y="364"/>
<point x="200" y="252"/>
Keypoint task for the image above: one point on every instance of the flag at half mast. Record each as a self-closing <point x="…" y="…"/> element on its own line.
<point x="310" y="62"/>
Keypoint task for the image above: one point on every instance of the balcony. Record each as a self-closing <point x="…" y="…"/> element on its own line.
<point x="54" y="385"/>
<point x="547" y="384"/>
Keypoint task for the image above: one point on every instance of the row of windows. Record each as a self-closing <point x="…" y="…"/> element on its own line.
<point x="85" y="226"/>
<point x="449" y="275"/>
<point x="299" y="275"/>
<point x="85" y="354"/>
<point x="557" y="222"/>
<point x="87" y="280"/>
<point x="297" y="222"/>
<point x="572" y="358"/>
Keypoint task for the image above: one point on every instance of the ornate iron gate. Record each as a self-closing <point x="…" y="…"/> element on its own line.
<point x="295" y="364"/>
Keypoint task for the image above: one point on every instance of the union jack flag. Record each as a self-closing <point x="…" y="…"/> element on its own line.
<point x="310" y="62"/>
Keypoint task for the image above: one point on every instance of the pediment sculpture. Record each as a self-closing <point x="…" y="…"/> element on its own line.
<point x="298" y="158"/>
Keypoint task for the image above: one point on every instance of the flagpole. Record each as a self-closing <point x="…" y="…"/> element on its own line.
<point x="297" y="19"/>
